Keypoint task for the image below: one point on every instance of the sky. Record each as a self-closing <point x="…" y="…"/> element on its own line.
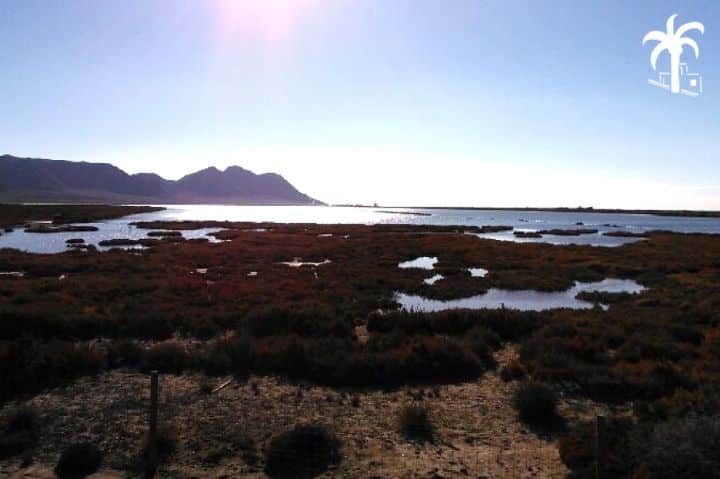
<point x="396" y="102"/>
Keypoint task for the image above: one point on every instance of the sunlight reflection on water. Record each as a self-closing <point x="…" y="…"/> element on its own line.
<point x="121" y="228"/>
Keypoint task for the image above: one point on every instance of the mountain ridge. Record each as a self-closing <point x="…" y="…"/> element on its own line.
<point x="46" y="180"/>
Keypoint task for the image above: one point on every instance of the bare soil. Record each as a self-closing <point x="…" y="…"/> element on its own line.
<point x="223" y="434"/>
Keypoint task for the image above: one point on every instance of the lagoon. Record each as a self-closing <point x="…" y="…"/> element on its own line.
<point x="526" y="220"/>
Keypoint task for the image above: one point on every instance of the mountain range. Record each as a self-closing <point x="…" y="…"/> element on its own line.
<point x="42" y="180"/>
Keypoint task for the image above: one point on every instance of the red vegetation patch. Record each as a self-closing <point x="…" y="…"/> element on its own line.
<point x="300" y="321"/>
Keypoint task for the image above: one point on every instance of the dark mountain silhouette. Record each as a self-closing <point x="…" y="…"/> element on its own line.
<point x="41" y="180"/>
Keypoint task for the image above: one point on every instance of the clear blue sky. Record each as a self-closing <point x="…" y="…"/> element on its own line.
<point x="486" y="102"/>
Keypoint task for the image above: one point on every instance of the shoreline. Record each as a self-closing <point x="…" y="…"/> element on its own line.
<point x="651" y="212"/>
<point x="409" y="210"/>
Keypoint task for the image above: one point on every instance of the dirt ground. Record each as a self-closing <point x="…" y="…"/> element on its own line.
<point x="223" y="434"/>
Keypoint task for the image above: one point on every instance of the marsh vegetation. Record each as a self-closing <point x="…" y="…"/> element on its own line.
<point x="334" y="322"/>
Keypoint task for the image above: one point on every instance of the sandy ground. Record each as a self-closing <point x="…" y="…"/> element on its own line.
<point x="478" y="433"/>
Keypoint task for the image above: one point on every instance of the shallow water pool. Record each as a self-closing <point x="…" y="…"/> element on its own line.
<point x="523" y="300"/>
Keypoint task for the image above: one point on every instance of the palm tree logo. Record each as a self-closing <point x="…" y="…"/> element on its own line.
<point x="673" y="42"/>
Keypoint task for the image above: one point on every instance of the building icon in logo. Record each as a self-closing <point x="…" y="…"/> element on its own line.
<point x="690" y="83"/>
<point x="678" y="79"/>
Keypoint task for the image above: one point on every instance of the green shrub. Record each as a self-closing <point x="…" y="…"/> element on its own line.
<point x="24" y="419"/>
<point x="166" y="358"/>
<point x="29" y="365"/>
<point x="653" y="348"/>
<point x="216" y="362"/>
<point x="303" y="452"/>
<point x="577" y="449"/>
<point x="513" y="371"/>
<point x="687" y="335"/>
<point x="503" y="324"/>
<point x="125" y="353"/>
<point x="240" y="351"/>
<point x="311" y="323"/>
<point x="482" y="343"/>
<point x="535" y="403"/>
<point x="20" y="434"/>
<point x="15" y="444"/>
<point x="676" y="449"/>
<point x="703" y="401"/>
<point x="415" y="424"/>
<point x="247" y="447"/>
<point x="683" y="448"/>
<point x="79" y="460"/>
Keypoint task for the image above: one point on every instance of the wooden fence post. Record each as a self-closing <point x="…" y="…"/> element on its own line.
<point x="153" y="404"/>
<point x="599" y="446"/>
<point x="151" y="454"/>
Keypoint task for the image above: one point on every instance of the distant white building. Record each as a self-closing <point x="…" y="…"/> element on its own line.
<point x="690" y="83"/>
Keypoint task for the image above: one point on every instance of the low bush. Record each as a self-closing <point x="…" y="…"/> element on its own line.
<point x="22" y="420"/>
<point x="603" y="297"/>
<point x="239" y="351"/>
<point x="513" y="371"/>
<point x="676" y="449"/>
<point x="482" y="343"/>
<point x="216" y="362"/>
<point x="386" y="361"/>
<point x="506" y="325"/>
<point x="247" y="447"/>
<point x="79" y="460"/>
<point x="28" y="365"/>
<point x="20" y="434"/>
<point x="166" y="357"/>
<point x="577" y="449"/>
<point x="703" y="401"/>
<point x="652" y="348"/>
<point x="15" y="444"/>
<point x="311" y="323"/>
<point x="303" y="452"/>
<point x="125" y="353"/>
<point x="415" y="424"/>
<point x="687" y="335"/>
<point x="683" y="448"/>
<point x="535" y="403"/>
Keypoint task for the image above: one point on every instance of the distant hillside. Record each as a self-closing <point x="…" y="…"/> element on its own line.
<point x="40" y="180"/>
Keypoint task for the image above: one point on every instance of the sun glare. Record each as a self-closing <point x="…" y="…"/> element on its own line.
<point x="269" y="20"/>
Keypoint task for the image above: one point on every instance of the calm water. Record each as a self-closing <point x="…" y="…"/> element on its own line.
<point x="527" y="220"/>
<point x="55" y="242"/>
<point x="423" y="262"/>
<point x="522" y="300"/>
<point x="478" y="272"/>
<point x="433" y="279"/>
